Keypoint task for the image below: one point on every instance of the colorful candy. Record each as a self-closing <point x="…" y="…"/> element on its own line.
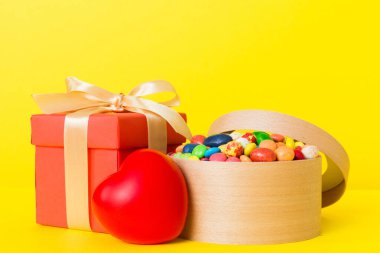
<point x="249" y="148"/>
<point x="193" y="157"/>
<point x="185" y="155"/>
<point x="235" y="135"/>
<point x="244" y="131"/>
<point x="269" y="144"/>
<point x="310" y="151"/>
<point x="179" y="149"/>
<point x="284" y="153"/>
<point x="218" y="157"/>
<point x="260" y="136"/>
<point x="209" y="152"/>
<point x="178" y="155"/>
<point x="262" y="155"/>
<point x="299" y="144"/>
<point x="198" y="139"/>
<point x="217" y="140"/>
<point x="245" y="146"/>
<point x="298" y="154"/>
<point x="234" y="148"/>
<point x="199" y="151"/>
<point x="289" y="142"/>
<point x="277" y="137"/>
<point x="245" y="158"/>
<point x="233" y="159"/>
<point x="243" y="141"/>
<point x="223" y="148"/>
<point x="250" y="137"/>
<point x="188" y="148"/>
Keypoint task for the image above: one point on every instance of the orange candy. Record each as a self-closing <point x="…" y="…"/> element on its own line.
<point x="269" y="144"/>
<point x="284" y="153"/>
<point x="179" y="148"/>
<point x="245" y="158"/>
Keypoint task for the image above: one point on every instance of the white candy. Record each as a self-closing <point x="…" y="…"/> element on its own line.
<point x="243" y="141"/>
<point x="235" y="135"/>
<point x="310" y="151"/>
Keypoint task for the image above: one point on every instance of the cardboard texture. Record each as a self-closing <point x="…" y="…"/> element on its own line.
<point x="111" y="137"/>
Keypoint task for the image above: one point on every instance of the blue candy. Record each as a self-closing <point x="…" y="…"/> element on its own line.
<point x="217" y="140"/>
<point x="209" y="152"/>
<point x="188" y="148"/>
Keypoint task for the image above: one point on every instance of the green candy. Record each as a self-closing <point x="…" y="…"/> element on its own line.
<point x="199" y="151"/>
<point x="178" y="155"/>
<point x="260" y="136"/>
<point x="186" y="155"/>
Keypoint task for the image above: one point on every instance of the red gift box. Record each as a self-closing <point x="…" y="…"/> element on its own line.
<point x="111" y="137"/>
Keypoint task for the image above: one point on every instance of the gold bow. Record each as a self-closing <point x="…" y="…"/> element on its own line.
<point x="83" y="99"/>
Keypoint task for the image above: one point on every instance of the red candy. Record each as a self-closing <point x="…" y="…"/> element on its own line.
<point x="298" y="154"/>
<point x="198" y="139"/>
<point x="233" y="159"/>
<point x="250" y="137"/>
<point x="218" y="157"/>
<point x="277" y="137"/>
<point x="262" y="155"/>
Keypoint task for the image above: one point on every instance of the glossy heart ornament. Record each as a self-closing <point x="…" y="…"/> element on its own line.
<point x="145" y="202"/>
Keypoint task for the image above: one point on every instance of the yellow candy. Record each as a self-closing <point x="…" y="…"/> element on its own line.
<point x="299" y="144"/>
<point x="193" y="157"/>
<point x="249" y="148"/>
<point x="223" y="148"/>
<point x="244" y="131"/>
<point x="289" y="142"/>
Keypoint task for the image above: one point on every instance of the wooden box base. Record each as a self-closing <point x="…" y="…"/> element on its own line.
<point x="252" y="203"/>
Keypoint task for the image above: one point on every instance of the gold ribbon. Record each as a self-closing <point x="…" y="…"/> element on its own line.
<point x="83" y="99"/>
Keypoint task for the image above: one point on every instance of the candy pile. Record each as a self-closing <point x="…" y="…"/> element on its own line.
<point x="245" y="146"/>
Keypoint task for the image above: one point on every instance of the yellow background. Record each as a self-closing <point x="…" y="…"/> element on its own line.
<point x="314" y="59"/>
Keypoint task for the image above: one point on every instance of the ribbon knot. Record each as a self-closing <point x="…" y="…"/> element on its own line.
<point x="83" y="99"/>
<point x="117" y="104"/>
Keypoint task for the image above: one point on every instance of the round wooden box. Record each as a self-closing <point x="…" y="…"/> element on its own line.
<point x="263" y="203"/>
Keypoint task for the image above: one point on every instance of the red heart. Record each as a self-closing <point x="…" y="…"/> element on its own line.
<point x="145" y="202"/>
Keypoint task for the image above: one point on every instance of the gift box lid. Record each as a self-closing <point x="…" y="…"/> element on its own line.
<point x="105" y="131"/>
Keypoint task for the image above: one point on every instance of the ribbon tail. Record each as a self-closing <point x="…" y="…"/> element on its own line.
<point x="76" y="168"/>
<point x="155" y="87"/>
